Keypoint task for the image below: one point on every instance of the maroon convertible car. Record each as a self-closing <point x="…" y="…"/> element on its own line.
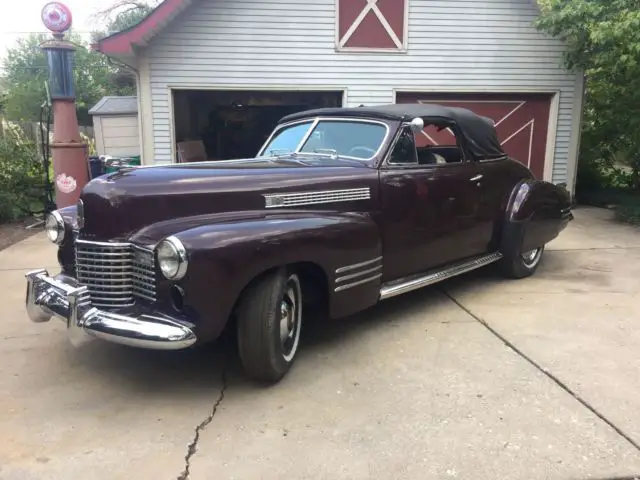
<point x="341" y="208"/>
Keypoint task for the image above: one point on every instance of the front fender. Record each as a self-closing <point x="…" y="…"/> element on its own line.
<point x="536" y="214"/>
<point x="224" y="257"/>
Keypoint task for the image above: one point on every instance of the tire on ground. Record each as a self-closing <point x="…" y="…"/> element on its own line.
<point x="259" y="315"/>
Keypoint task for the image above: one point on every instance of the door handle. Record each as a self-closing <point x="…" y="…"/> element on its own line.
<point x="476" y="178"/>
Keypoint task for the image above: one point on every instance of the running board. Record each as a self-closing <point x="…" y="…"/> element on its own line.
<point x="398" y="287"/>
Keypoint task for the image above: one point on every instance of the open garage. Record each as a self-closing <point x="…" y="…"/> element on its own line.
<point x="223" y="124"/>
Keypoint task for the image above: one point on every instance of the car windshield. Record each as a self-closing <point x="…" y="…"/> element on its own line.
<point x="353" y="138"/>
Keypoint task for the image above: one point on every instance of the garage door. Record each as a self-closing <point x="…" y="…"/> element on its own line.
<point x="522" y="121"/>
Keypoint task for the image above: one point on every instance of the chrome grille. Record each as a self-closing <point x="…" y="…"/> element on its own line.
<point x="115" y="273"/>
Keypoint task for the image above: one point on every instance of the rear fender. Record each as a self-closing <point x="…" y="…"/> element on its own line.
<point x="225" y="257"/>
<point x="536" y="214"/>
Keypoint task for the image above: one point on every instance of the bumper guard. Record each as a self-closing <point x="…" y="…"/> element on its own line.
<point x="63" y="297"/>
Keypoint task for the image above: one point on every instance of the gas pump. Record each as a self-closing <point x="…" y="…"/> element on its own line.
<point x="70" y="162"/>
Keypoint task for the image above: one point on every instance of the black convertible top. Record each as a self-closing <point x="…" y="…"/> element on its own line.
<point x="479" y="132"/>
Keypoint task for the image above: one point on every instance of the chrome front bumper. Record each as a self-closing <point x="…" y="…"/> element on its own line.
<point x="63" y="297"/>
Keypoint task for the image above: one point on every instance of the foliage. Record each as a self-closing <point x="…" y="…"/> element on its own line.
<point x="603" y="41"/>
<point x="628" y="210"/>
<point x="95" y="74"/>
<point x="123" y="14"/>
<point x="90" y="143"/>
<point x="27" y="71"/>
<point x="21" y="176"/>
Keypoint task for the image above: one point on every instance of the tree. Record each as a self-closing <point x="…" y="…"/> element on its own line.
<point x="123" y="14"/>
<point x="26" y="72"/>
<point x="603" y="40"/>
<point x="95" y="74"/>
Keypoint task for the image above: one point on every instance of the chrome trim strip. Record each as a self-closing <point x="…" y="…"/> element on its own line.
<point x="358" y="274"/>
<point x="355" y="266"/>
<point x="306" y="136"/>
<point x="63" y="297"/>
<point x="398" y="287"/>
<point x="293" y="199"/>
<point x="358" y="283"/>
<point x="105" y="244"/>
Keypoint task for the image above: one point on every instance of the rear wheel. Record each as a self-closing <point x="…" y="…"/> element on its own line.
<point x="523" y="264"/>
<point x="269" y="324"/>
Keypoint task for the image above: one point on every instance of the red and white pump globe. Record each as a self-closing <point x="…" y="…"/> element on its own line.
<point x="56" y="17"/>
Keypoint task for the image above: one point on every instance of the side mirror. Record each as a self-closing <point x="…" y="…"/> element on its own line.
<point x="417" y="125"/>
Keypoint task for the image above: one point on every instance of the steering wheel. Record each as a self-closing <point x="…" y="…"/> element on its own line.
<point x="369" y="152"/>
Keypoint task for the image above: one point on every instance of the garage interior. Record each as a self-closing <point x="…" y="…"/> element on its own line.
<point x="225" y="124"/>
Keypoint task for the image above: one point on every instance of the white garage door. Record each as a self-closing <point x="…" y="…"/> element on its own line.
<point x="120" y="136"/>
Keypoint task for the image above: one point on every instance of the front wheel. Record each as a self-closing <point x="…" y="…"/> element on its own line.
<point x="523" y="264"/>
<point x="269" y="323"/>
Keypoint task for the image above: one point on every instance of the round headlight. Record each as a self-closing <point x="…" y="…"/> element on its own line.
<point x="172" y="258"/>
<point x="54" y="226"/>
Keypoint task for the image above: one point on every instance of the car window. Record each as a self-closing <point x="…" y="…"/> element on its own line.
<point x="357" y="139"/>
<point x="350" y="139"/>
<point x="287" y="139"/>
<point x="405" y="149"/>
<point x="435" y="145"/>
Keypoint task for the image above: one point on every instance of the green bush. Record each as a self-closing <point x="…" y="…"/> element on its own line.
<point x="628" y="210"/>
<point x="21" y="178"/>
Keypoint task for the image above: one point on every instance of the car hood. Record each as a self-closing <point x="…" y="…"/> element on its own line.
<point x="118" y="205"/>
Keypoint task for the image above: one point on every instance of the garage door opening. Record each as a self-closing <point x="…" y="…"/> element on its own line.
<point x="522" y="121"/>
<point x="220" y="125"/>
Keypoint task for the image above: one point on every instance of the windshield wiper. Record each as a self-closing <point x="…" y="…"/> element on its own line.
<point x="283" y="152"/>
<point x="326" y="151"/>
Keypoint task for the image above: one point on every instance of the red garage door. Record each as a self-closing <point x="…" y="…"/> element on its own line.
<point x="522" y="121"/>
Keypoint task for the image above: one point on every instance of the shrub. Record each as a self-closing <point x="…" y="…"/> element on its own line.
<point x="21" y="177"/>
<point x="628" y="210"/>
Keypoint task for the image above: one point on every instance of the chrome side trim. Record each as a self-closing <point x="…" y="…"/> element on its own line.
<point x="355" y="266"/>
<point x="351" y="276"/>
<point x="398" y="287"/>
<point x="276" y="200"/>
<point x="63" y="297"/>
<point x="359" y="282"/>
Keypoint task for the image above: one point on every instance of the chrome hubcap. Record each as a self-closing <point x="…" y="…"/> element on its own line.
<point x="531" y="257"/>
<point x="290" y="318"/>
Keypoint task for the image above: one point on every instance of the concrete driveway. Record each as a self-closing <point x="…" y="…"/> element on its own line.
<point x="478" y="378"/>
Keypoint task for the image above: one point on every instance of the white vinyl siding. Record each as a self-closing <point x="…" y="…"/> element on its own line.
<point x="117" y="135"/>
<point x="453" y="45"/>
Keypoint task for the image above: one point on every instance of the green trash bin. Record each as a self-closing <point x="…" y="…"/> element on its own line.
<point x="114" y="164"/>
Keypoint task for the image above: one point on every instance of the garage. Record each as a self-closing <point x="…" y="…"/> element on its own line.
<point x="215" y="75"/>
<point x="522" y="122"/>
<point x="225" y="124"/>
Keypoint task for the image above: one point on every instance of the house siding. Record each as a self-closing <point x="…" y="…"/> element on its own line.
<point x="453" y="46"/>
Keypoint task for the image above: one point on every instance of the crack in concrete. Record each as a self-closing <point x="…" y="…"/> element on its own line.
<point x="544" y="371"/>
<point x="192" y="448"/>
<point x="26" y="335"/>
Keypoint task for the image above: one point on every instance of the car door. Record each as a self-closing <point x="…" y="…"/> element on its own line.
<point x="429" y="212"/>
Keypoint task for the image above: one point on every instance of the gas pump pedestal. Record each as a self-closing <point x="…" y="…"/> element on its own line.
<point x="70" y="162"/>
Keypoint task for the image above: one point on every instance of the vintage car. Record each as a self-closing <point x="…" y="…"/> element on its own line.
<point x="340" y="209"/>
